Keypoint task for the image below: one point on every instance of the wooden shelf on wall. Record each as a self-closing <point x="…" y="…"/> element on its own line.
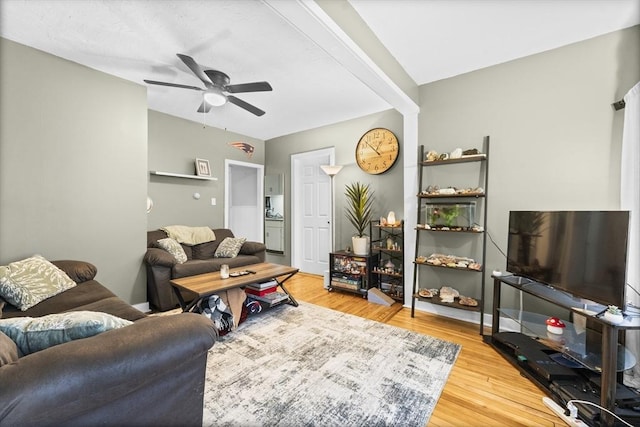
<point x="181" y="175"/>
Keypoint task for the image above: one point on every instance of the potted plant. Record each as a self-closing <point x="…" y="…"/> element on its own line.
<point x="358" y="209"/>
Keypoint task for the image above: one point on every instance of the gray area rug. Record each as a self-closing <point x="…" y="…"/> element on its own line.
<point x="311" y="366"/>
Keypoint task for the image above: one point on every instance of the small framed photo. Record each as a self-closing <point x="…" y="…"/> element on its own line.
<point x="202" y="167"/>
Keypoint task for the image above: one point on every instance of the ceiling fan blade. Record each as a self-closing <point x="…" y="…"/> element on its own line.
<point x="204" y="107"/>
<point x="249" y="87"/>
<point x="242" y="104"/>
<point x="153" y="82"/>
<point x="195" y="69"/>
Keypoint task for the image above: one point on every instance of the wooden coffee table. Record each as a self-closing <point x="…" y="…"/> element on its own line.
<point x="205" y="285"/>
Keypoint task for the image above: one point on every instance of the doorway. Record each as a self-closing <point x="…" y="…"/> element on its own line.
<point x="311" y="208"/>
<point x="244" y="199"/>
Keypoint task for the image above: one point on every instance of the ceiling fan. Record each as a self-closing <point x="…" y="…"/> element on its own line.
<point x="216" y="88"/>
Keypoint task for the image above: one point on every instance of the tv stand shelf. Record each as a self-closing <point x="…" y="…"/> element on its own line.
<point x="606" y="363"/>
<point x="571" y="343"/>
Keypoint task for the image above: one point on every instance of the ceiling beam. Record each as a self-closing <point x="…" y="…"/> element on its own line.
<point x="313" y="22"/>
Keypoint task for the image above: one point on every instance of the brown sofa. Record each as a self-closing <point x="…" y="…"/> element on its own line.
<point x="150" y="373"/>
<point x="162" y="266"/>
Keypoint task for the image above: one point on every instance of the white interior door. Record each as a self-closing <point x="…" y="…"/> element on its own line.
<point x="311" y="211"/>
<point x="244" y="199"/>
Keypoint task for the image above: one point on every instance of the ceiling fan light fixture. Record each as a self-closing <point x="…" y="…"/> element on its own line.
<point x="215" y="98"/>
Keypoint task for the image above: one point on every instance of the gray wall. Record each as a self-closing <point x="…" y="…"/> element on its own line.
<point x="343" y="136"/>
<point x="174" y="144"/>
<point x="73" y="161"/>
<point x="555" y="139"/>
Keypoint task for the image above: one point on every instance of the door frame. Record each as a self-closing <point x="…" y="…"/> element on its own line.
<point x="296" y="208"/>
<point x="228" y="163"/>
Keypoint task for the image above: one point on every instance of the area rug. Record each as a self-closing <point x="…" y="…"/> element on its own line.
<point x="311" y="366"/>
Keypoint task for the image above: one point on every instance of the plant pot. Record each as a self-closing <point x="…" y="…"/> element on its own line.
<point x="614" y="319"/>
<point x="360" y="245"/>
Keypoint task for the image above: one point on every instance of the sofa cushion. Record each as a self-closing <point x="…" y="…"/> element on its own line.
<point x="230" y="247"/>
<point x="33" y="334"/>
<point x="114" y="306"/>
<point x="205" y="250"/>
<point x="8" y="350"/>
<point x="27" y="282"/>
<point x="174" y="248"/>
<point x="197" y="266"/>
<point x="82" y="294"/>
<point x="78" y="271"/>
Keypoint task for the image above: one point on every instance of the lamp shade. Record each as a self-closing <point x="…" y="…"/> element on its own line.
<point x="331" y="170"/>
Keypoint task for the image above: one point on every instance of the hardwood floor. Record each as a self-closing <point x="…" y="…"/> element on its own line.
<point x="483" y="388"/>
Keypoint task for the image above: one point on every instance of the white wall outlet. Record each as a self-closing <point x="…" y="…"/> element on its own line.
<point x="213" y="201"/>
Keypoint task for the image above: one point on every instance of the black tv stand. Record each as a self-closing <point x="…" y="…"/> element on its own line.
<point x="535" y="353"/>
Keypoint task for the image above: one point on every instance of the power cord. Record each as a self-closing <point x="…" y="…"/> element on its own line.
<point x="571" y="418"/>
<point x="573" y="411"/>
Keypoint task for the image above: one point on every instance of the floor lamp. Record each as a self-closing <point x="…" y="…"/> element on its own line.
<point x="332" y="170"/>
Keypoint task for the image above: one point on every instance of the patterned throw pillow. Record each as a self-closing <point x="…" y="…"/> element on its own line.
<point x="230" y="247"/>
<point x="33" y="334"/>
<point x="27" y="282"/>
<point x="174" y="248"/>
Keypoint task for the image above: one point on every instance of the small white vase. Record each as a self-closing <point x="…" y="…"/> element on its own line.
<point x="360" y="245"/>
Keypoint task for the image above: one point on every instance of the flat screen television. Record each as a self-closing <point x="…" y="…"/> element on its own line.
<point x="581" y="252"/>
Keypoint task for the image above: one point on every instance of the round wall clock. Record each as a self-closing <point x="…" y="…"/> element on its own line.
<point x="377" y="151"/>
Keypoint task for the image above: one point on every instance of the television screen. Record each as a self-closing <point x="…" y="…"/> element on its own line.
<point x="581" y="252"/>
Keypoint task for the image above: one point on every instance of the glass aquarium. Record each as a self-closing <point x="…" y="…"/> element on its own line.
<point x="452" y="215"/>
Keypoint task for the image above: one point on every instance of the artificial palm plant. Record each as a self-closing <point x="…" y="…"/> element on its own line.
<point x="358" y="209"/>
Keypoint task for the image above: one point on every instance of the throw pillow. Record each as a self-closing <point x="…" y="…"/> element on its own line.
<point x="174" y="248"/>
<point x="229" y="247"/>
<point x="33" y="334"/>
<point x="27" y="282"/>
<point x="78" y="271"/>
<point x="8" y="350"/>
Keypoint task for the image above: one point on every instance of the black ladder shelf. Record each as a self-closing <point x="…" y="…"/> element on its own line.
<point x="440" y="235"/>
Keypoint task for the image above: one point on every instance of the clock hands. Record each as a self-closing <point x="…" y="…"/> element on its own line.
<point x="371" y="146"/>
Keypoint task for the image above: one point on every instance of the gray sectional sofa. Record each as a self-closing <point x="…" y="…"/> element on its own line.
<point x="149" y="373"/>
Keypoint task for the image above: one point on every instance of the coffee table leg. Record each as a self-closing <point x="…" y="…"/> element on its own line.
<point x="292" y="300"/>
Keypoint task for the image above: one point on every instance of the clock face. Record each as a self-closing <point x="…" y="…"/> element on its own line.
<point x="377" y="151"/>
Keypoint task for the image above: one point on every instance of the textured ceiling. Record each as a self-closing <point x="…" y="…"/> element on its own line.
<point x="248" y="40"/>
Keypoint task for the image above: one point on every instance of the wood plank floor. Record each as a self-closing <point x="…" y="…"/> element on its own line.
<point x="483" y="388"/>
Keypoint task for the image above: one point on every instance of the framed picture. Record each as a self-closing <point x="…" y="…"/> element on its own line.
<point x="202" y="167"/>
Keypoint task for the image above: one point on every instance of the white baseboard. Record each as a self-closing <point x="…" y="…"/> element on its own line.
<point x="143" y="307"/>
<point x="466" y="315"/>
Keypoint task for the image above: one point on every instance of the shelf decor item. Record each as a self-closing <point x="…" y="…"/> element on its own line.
<point x="614" y="315"/>
<point x="555" y="325"/>
<point x="358" y="210"/>
<point x="451" y="214"/>
<point x="391" y="218"/>
<point x="202" y="167"/>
